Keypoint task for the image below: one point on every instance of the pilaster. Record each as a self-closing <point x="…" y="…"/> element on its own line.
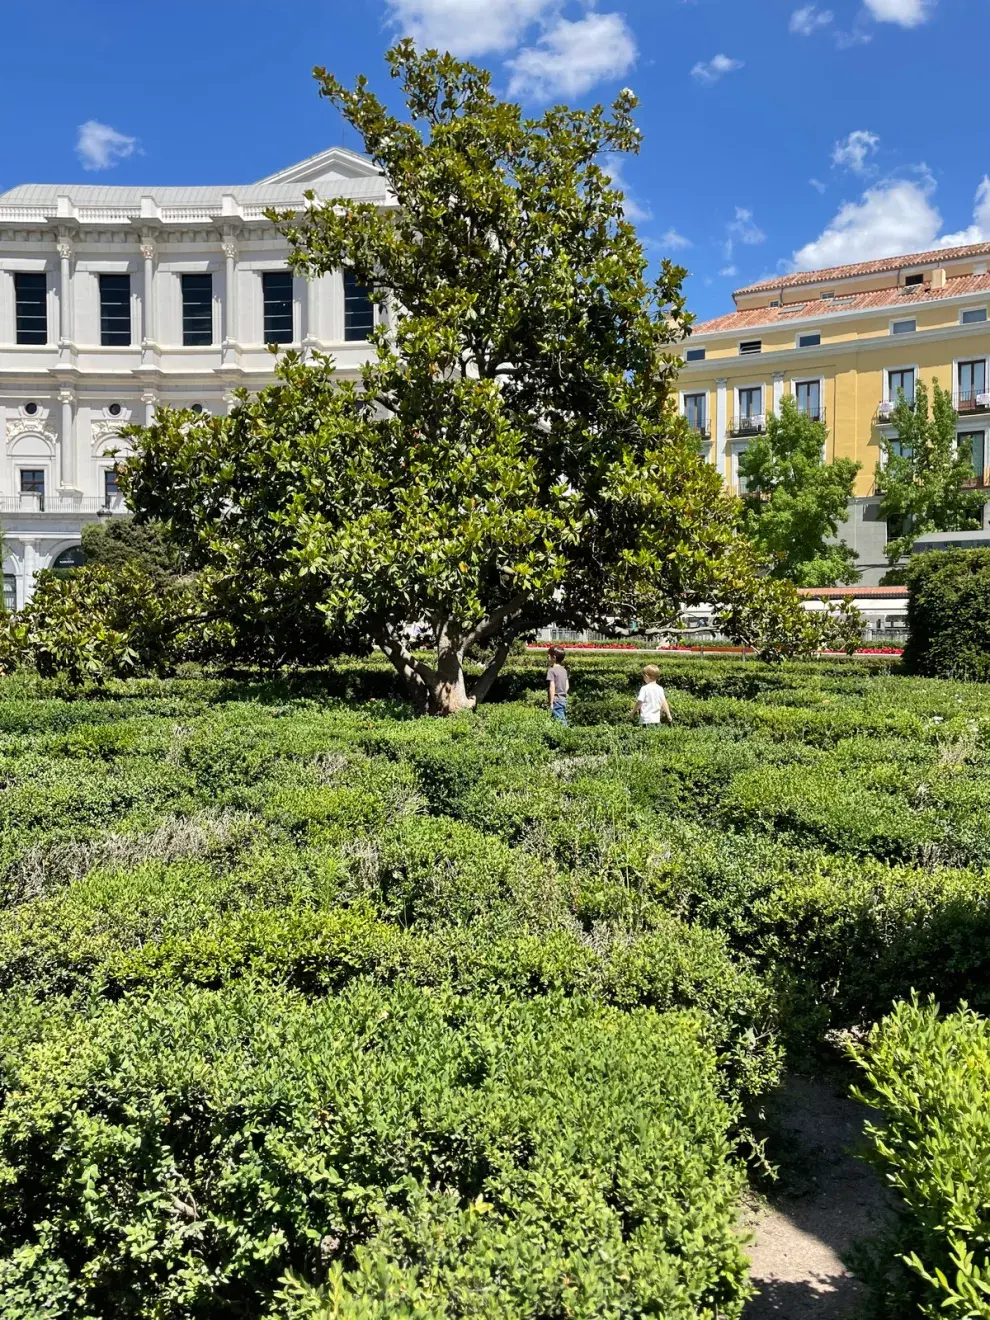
<point x="721" y="422"/>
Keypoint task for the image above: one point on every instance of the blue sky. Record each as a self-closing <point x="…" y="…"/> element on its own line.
<point x="777" y="134"/>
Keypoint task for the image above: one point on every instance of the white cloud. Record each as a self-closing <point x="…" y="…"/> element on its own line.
<point x="468" y="27"/>
<point x="99" y="146"/>
<point x="806" y="21"/>
<point x="729" y="271"/>
<point x="854" y="152"/>
<point x="570" y="57"/>
<point x="672" y="241"/>
<point x="817" y="185"/>
<point x="744" y="229"/>
<point x="893" y="217"/>
<point x="716" y="68"/>
<point x="907" y="13"/>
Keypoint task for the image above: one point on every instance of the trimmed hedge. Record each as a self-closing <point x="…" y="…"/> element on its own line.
<point x="383" y="1153"/>
<point x="949" y="614"/>
<point x="929" y="1077"/>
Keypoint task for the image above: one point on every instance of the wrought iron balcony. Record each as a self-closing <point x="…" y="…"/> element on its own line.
<point x="971" y="401"/>
<point x="978" y="481"/>
<point x="753" y="425"/>
<point x="885" y="411"/>
<point x="816" y="412"/>
<point x="700" y="427"/>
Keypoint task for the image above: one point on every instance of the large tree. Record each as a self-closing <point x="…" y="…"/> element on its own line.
<point x="922" y="474"/>
<point x="511" y="456"/>
<point x="795" y="500"/>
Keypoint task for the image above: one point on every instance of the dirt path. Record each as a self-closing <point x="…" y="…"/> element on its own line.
<point x="824" y="1201"/>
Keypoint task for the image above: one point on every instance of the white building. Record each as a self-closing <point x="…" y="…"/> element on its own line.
<point x="113" y="300"/>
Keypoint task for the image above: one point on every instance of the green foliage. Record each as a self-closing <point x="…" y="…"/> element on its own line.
<point x="116" y="542"/>
<point x="795" y="501"/>
<point x="404" y="1153"/>
<point x="921" y="474"/>
<point x="930" y="1078"/>
<point x="949" y="614"/>
<point x="99" y="623"/>
<point x="511" y="455"/>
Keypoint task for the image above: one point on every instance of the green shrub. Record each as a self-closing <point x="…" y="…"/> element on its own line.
<point x="949" y="614"/>
<point x="930" y="1079"/>
<point x="383" y="1153"/>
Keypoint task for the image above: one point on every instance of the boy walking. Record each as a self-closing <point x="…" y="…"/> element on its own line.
<point x="558" y="685"/>
<point x="651" y="704"/>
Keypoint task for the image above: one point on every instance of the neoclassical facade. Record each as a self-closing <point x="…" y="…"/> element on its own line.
<point x="115" y="300"/>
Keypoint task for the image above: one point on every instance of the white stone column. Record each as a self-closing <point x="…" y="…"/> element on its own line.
<point x="230" y="323"/>
<point x="68" y="458"/>
<point x="150" y="402"/>
<point x="312" y="339"/>
<point x="66" y="320"/>
<point x="30" y="563"/>
<point x="778" y="390"/>
<point x="721" y="422"/>
<point x="148" y="318"/>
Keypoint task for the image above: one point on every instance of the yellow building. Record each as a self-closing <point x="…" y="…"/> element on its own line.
<point x="843" y="342"/>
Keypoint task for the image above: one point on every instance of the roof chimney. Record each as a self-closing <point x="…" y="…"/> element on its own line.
<point x="938" y="277"/>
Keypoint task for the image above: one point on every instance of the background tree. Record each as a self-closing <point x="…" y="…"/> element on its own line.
<point x="511" y="456"/>
<point x="921" y="475"/>
<point x="119" y="541"/>
<point x="795" y="501"/>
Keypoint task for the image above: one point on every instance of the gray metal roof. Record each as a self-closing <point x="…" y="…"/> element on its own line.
<point x="87" y="194"/>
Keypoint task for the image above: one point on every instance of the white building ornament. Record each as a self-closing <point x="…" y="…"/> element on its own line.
<point x="20" y="426"/>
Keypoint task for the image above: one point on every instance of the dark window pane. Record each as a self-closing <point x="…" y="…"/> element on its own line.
<point x="902" y="380"/>
<point x="276" y="287"/>
<point x="32" y="481"/>
<point x="31" y="300"/>
<point x="695" y="355"/>
<point x="71" y="558"/>
<point x="809" y="341"/>
<point x="111" y="489"/>
<point x="751" y="402"/>
<point x="359" y="311"/>
<point x="972" y="444"/>
<point x="197" y="310"/>
<point x="808" y="395"/>
<point x="694" y="411"/>
<point x="973" y="315"/>
<point x="115" y="310"/>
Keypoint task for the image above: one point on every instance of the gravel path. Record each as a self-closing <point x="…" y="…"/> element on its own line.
<point x="826" y="1199"/>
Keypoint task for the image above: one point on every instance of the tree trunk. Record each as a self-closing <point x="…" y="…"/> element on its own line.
<point x="442" y="690"/>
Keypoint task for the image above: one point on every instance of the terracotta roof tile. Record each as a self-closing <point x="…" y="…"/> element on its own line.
<point x="916" y="295"/>
<point x="877" y="267"/>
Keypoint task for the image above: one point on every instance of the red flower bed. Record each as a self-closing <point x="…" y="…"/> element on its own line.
<point x="689" y="650"/>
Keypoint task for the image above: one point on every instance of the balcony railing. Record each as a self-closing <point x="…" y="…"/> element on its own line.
<point x="32" y="503"/>
<point x="971" y="401"/>
<point x="816" y="412"/>
<point x="754" y="425"/>
<point x="885" y="410"/>
<point x="701" y="428"/>
<point x="978" y="481"/>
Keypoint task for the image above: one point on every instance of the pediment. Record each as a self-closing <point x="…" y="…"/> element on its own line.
<point x="336" y="163"/>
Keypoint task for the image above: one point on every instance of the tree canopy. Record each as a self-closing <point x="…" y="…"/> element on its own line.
<point x="511" y="455"/>
<point x="795" y="500"/>
<point x="922" y="474"/>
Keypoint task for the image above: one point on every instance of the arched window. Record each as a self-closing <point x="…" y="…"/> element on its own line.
<point x="71" y="558"/>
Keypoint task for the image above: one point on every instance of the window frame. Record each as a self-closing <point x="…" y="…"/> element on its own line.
<point x="698" y="348"/>
<point x="349" y="337"/>
<point x="914" y="280"/>
<point x="696" y="394"/>
<point x="189" y="339"/>
<point x="755" y="352"/>
<point x="889" y="371"/>
<point x="272" y="337"/>
<point x="974" y="431"/>
<point x="41" y="275"/>
<point x="107" y="330"/>
<point x="904" y="320"/>
<point x="747" y="389"/>
<point x="819" y="381"/>
<point x="981" y="321"/>
<point x="808" y="334"/>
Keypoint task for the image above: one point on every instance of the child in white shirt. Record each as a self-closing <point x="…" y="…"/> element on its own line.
<point x="651" y="704"/>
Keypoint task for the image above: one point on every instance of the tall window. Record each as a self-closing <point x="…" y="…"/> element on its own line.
<point x="31" y="303"/>
<point x="901" y="381"/>
<point x="111" y="487"/>
<point x="973" y="445"/>
<point x="751" y="402"/>
<point x="115" y="310"/>
<point x="359" y="311"/>
<point x="808" y="396"/>
<point x="276" y="288"/>
<point x="9" y="591"/>
<point x="972" y="382"/>
<point x="32" y="482"/>
<point x="197" y="310"/>
<point x="696" y="412"/>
